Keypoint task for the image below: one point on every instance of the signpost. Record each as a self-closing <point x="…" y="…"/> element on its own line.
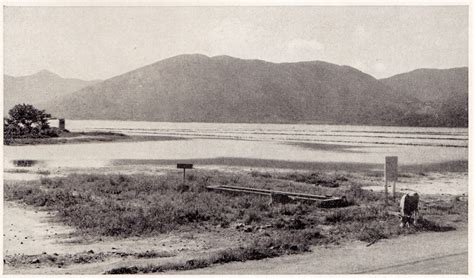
<point x="391" y="173"/>
<point x="184" y="166"/>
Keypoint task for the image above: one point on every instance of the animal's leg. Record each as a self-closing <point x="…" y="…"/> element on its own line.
<point x="403" y="221"/>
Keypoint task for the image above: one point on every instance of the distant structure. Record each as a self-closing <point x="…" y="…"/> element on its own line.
<point x="62" y="124"/>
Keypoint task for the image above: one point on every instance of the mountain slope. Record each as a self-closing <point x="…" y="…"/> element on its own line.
<point x="226" y="89"/>
<point x="39" y="88"/>
<point x="444" y="94"/>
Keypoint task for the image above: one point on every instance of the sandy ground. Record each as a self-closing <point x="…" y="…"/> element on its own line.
<point x="432" y="183"/>
<point x="30" y="231"/>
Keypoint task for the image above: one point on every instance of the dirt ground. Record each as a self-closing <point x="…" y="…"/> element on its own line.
<point x="29" y="231"/>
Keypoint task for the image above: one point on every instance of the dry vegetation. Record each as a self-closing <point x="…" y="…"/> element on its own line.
<point x="125" y="206"/>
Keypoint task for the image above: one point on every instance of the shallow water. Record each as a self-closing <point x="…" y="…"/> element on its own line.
<point x="287" y="132"/>
<point x="362" y="144"/>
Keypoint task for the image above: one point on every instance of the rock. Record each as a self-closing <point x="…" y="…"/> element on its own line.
<point x="35" y="261"/>
<point x="90" y="252"/>
<point x="248" y="229"/>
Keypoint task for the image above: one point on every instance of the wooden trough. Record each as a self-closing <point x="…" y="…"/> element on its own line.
<point x="323" y="201"/>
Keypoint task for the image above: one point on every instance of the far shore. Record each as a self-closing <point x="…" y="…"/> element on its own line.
<point x="89" y="137"/>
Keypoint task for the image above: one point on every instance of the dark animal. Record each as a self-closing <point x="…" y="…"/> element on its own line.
<point x="409" y="209"/>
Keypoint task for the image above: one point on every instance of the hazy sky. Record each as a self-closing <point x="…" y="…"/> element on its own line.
<point x="101" y="42"/>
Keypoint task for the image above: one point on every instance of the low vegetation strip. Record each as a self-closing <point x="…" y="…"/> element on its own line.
<point x="90" y="256"/>
<point x="84" y="137"/>
<point x="260" y="249"/>
<point x="140" y="205"/>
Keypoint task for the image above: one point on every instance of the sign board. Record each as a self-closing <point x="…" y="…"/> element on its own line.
<point x="391" y="168"/>
<point x="184" y="166"/>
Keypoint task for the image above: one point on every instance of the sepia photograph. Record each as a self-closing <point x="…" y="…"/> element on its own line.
<point x="235" y="139"/>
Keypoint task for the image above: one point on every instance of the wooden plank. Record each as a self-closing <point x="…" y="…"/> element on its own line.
<point x="277" y="192"/>
<point x="327" y="202"/>
<point x="293" y="195"/>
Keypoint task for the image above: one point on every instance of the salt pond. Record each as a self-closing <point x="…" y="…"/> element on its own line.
<point x="322" y="143"/>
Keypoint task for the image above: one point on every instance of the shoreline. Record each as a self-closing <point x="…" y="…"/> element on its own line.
<point x="90" y="137"/>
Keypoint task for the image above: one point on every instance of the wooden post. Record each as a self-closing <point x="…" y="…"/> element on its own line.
<point x="393" y="189"/>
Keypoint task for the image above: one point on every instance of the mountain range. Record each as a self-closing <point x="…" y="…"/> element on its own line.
<point x="39" y="88"/>
<point x="225" y="89"/>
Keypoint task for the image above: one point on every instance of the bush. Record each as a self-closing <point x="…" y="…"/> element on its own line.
<point x="25" y="120"/>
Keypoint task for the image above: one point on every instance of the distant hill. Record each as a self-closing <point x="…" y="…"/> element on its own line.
<point x="444" y="94"/>
<point x="197" y="88"/>
<point x="39" y="88"/>
<point x="226" y="89"/>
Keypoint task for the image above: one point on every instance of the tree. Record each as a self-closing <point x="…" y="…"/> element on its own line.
<point x="25" y="119"/>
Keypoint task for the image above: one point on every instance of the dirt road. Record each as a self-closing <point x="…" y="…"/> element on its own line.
<point x="427" y="253"/>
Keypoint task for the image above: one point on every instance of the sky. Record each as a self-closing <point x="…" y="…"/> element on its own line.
<point x="102" y="42"/>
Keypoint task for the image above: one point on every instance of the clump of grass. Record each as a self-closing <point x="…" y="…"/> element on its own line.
<point x="320" y="179"/>
<point x="252" y="216"/>
<point x="256" y="174"/>
<point x="427" y="225"/>
<point x="373" y="230"/>
<point x="153" y="254"/>
<point x="43" y="172"/>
